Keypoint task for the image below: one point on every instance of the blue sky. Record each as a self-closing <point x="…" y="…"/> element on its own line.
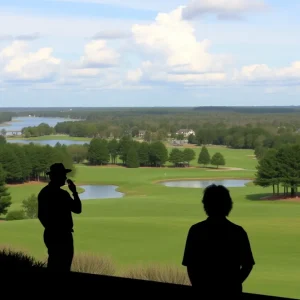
<point x="149" y="53"/>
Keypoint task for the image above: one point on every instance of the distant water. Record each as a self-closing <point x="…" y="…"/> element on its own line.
<point x="48" y="142"/>
<point x="21" y="122"/>
<point x="100" y="192"/>
<point x="204" y="183"/>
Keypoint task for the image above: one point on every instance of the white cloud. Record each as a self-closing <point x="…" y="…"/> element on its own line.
<point x="178" y="56"/>
<point x="98" y="55"/>
<point x="168" y="47"/>
<point x="224" y="9"/>
<point x="135" y="75"/>
<point x="19" y="64"/>
<point x="112" y="34"/>
<point x="266" y="74"/>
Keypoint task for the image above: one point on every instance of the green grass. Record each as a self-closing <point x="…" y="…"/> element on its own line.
<point x="21" y="192"/>
<point x="51" y="137"/>
<point x="234" y="158"/>
<point x="149" y="225"/>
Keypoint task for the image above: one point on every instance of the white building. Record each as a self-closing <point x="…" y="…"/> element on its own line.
<point x="185" y="132"/>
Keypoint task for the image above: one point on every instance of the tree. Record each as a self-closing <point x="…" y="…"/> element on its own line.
<point x="218" y="160"/>
<point x="204" y="157"/>
<point x="78" y="153"/>
<point x="98" y="153"/>
<point x="113" y="148"/>
<point x="24" y="161"/>
<point x="30" y="206"/>
<point x="188" y="155"/>
<point x="11" y="164"/>
<point x="147" y="136"/>
<point x="132" y="158"/>
<point x="143" y="153"/>
<point x="260" y="151"/>
<point x="5" y="199"/>
<point x="192" y="139"/>
<point x="176" y="156"/>
<point x="125" y="144"/>
<point x="288" y="161"/>
<point x="280" y="167"/>
<point x="2" y="139"/>
<point x="158" y="154"/>
<point x="267" y="171"/>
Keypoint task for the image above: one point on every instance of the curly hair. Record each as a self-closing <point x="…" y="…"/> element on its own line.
<point x="217" y="201"/>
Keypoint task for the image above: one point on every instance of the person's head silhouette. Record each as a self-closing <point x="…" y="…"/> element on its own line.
<point x="217" y="201"/>
<point x="57" y="174"/>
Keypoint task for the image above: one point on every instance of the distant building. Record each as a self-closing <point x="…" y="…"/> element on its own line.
<point x="142" y="133"/>
<point x="185" y="132"/>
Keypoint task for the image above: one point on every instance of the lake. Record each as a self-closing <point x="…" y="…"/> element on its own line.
<point x="20" y="122"/>
<point x="48" y="142"/>
<point x="99" y="192"/>
<point x="204" y="183"/>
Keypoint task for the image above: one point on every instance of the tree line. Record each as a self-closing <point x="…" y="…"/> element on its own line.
<point x="24" y="163"/>
<point x="236" y="137"/>
<point x="280" y="168"/>
<point x="6" y="117"/>
<point x="134" y="154"/>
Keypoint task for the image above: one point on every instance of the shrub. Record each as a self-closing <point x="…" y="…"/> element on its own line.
<point x="93" y="264"/>
<point x="167" y="274"/>
<point x="15" y="215"/>
<point x="30" y="206"/>
<point x="17" y="261"/>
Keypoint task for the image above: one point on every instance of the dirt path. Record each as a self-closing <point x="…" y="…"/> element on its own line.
<point x="227" y="169"/>
<point x="282" y="198"/>
<point x="27" y="183"/>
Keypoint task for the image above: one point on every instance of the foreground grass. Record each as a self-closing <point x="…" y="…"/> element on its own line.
<point x="149" y="225"/>
<point x="19" y="260"/>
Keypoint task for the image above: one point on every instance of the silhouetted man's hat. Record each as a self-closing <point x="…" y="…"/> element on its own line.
<point x="58" y="168"/>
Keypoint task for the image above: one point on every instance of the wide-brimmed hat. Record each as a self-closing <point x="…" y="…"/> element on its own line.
<point x="58" y="168"/>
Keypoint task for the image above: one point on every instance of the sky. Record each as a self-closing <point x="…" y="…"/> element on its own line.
<point x="110" y="53"/>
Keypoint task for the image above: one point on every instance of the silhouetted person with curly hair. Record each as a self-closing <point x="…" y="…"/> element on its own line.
<point x="217" y="253"/>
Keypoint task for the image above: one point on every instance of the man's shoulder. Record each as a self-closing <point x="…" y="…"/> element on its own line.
<point x="198" y="226"/>
<point x="44" y="190"/>
<point x="237" y="228"/>
<point x="205" y="225"/>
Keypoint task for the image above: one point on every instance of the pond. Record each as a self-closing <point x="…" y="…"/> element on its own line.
<point x="99" y="192"/>
<point x="204" y="183"/>
<point x="51" y="143"/>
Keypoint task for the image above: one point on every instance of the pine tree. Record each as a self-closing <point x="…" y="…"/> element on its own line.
<point x="5" y="199"/>
<point x="144" y="154"/>
<point x="132" y="158"/>
<point x="204" y="157"/>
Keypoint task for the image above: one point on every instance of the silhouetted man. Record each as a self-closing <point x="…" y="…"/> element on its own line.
<point x="217" y="253"/>
<point x="55" y="207"/>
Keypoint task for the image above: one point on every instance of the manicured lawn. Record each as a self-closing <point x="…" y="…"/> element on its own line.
<point x="151" y="222"/>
